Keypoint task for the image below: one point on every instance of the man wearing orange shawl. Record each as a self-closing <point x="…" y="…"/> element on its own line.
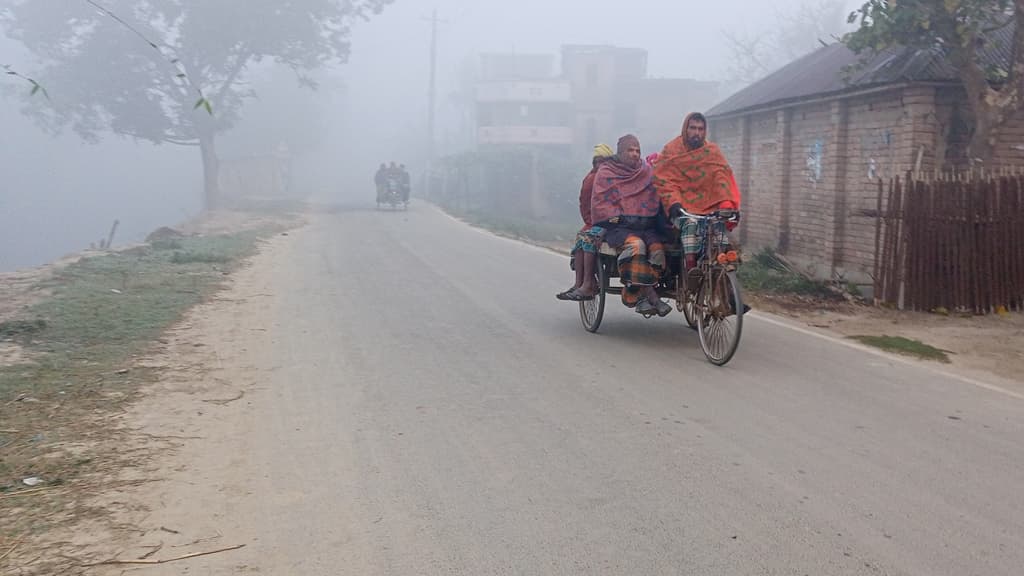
<point x="693" y="174"/>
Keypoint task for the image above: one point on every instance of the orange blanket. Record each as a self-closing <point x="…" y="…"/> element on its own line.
<point x="700" y="180"/>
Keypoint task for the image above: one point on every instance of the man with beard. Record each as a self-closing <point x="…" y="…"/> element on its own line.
<point x="625" y="204"/>
<point x="693" y="174"/>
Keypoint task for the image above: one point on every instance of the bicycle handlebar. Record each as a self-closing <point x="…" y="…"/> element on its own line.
<point x="726" y="215"/>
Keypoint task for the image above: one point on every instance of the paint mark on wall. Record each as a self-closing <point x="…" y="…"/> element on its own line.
<point x="815" y="161"/>
<point x="876" y="139"/>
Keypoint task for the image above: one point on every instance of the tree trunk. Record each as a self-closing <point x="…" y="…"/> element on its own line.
<point x="981" y="150"/>
<point x="992" y="107"/>
<point x="211" y="171"/>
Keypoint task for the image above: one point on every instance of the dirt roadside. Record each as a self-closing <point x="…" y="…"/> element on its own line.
<point x="977" y="346"/>
<point x="68" y="449"/>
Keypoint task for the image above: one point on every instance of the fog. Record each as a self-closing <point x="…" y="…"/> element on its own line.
<point x="58" y="195"/>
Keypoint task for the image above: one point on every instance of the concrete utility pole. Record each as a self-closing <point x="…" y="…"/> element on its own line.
<point x="432" y="104"/>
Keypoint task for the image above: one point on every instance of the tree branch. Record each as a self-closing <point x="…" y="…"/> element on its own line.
<point x="746" y="50"/>
<point x="240" y="64"/>
<point x="177" y="142"/>
<point x="162" y="138"/>
<point x="175" y="62"/>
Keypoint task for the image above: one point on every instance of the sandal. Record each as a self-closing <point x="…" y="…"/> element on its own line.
<point x="646" y="308"/>
<point x="663" y="308"/>
<point x="577" y="296"/>
<point x="567" y="295"/>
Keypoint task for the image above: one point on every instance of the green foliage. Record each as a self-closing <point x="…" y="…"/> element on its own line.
<point x="107" y="307"/>
<point x="205" y="104"/>
<point x="166" y="244"/>
<point x="36" y="86"/>
<point x="766" y="273"/>
<point x="905" y="347"/>
<point x="199" y="257"/>
<point x="21" y="330"/>
<point x="81" y="365"/>
<point x="957" y="28"/>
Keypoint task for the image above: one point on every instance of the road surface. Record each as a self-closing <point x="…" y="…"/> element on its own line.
<point x="421" y="404"/>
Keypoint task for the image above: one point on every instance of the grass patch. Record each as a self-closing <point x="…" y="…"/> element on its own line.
<point x="904" y="346"/>
<point x="102" y="313"/>
<point x="199" y="258"/>
<point x="166" y="244"/>
<point x="767" y="273"/>
<point x="21" y="330"/>
<point x="108" y="307"/>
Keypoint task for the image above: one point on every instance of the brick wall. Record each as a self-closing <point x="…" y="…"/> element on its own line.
<point x="1010" y="143"/>
<point x="810" y="172"/>
<point x="762" y="195"/>
<point x="874" y="137"/>
<point x="812" y="168"/>
<point x="726" y="133"/>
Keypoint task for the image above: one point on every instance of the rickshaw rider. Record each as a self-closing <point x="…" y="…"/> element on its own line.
<point x="693" y="174"/>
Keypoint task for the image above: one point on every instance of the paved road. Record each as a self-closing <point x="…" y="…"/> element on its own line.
<point x="449" y="416"/>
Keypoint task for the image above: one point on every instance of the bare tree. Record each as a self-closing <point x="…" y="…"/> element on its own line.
<point x="795" y="33"/>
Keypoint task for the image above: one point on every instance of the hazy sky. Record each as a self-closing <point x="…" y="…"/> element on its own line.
<point x="57" y="196"/>
<point x="388" y="86"/>
<point x="682" y="36"/>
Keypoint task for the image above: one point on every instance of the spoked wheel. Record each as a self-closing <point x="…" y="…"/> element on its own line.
<point x="719" y="311"/>
<point x="592" y="311"/>
<point x="690" y="310"/>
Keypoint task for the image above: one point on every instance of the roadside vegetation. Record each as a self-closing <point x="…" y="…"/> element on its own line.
<point x="904" y="347"/>
<point x="79" y="346"/>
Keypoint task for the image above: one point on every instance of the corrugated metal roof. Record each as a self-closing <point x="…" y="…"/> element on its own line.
<point x="824" y="72"/>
